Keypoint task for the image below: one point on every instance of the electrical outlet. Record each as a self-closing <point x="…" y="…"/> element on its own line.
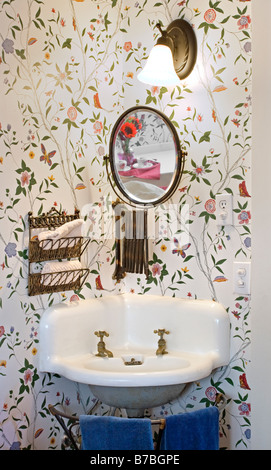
<point x="241" y="277"/>
<point x="224" y="209"/>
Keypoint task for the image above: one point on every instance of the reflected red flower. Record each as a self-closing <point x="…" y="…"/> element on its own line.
<point x="128" y="129"/>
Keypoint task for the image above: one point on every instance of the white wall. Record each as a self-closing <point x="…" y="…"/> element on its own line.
<point x="261" y="220"/>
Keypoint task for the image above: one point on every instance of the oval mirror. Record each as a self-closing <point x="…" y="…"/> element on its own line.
<point x="145" y="156"/>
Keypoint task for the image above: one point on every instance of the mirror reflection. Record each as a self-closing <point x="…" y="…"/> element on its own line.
<point x="145" y="155"/>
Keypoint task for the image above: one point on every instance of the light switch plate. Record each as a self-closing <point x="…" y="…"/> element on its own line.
<point x="224" y="209"/>
<point x="241" y="277"/>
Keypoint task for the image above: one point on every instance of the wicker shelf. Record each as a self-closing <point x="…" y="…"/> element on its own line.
<point x="63" y="248"/>
<point x="55" y="282"/>
<point x="52" y="249"/>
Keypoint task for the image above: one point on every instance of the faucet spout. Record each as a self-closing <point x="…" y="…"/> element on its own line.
<point x="102" y="351"/>
<point x="108" y="353"/>
<point x="161" y="342"/>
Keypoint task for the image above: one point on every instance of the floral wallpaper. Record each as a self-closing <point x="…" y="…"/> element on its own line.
<point x="68" y="70"/>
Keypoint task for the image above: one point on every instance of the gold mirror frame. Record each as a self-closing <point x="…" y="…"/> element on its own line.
<point x="125" y="196"/>
<point x="131" y="244"/>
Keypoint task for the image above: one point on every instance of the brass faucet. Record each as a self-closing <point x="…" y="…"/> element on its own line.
<point x="161" y="342"/>
<point x="102" y="351"/>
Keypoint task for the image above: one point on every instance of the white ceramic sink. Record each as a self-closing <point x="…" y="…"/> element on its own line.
<point x="135" y="377"/>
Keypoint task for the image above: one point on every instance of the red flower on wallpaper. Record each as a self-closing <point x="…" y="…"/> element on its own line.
<point x="96" y="100"/>
<point x="98" y="283"/>
<point x="244" y="217"/>
<point x="245" y="409"/>
<point x="127" y="46"/>
<point x="244" y="22"/>
<point x="210" y="206"/>
<point x="210" y="15"/>
<point x="243" y="189"/>
<point x="243" y="382"/>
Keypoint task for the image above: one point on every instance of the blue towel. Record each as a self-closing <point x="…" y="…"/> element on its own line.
<point x="113" y="433"/>
<point x="197" y="430"/>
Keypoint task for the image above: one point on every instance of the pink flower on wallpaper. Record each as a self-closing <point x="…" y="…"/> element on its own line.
<point x="28" y="376"/>
<point x="97" y="126"/>
<point x="2" y="330"/>
<point x="101" y="151"/>
<point x="210" y="393"/>
<point x="74" y="298"/>
<point x="245" y="409"/>
<point x="199" y="170"/>
<point x="155" y="89"/>
<point x="210" y="206"/>
<point x="236" y="122"/>
<point x="244" y="22"/>
<point x="156" y="269"/>
<point x="244" y="217"/>
<point x="236" y="314"/>
<point x="72" y="113"/>
<point x="210" y="15"/>
<point x="127" y="46"/>
<point x="25" y="176"/>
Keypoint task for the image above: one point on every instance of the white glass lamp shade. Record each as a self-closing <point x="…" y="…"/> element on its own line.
<point x="159" y="69"/>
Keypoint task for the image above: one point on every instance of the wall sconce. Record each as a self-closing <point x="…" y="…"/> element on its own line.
<point x="173" y="57"/>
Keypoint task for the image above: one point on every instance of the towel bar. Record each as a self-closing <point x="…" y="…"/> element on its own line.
<point x="220" y="403"/>
<point x="74" y="421"/>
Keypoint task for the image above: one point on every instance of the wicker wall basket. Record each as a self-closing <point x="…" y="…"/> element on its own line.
<point x="56" y="282"/>
<point x="50" y="249"/>
<point x="63" y="248"/>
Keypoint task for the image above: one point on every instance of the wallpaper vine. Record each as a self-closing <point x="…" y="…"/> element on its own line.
<point x="68" y="69"/>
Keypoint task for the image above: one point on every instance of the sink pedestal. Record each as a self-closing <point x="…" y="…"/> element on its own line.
<point x="136" y="399"/>
<point x="135" y="412"/>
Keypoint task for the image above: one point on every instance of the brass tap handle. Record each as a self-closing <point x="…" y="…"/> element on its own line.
<point x="101" y="334"/>
<point x="161" y="332"/>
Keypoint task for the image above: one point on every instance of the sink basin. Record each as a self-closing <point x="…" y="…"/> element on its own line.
<point x="149" y="364"/>
<point x="135" y="377"/>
